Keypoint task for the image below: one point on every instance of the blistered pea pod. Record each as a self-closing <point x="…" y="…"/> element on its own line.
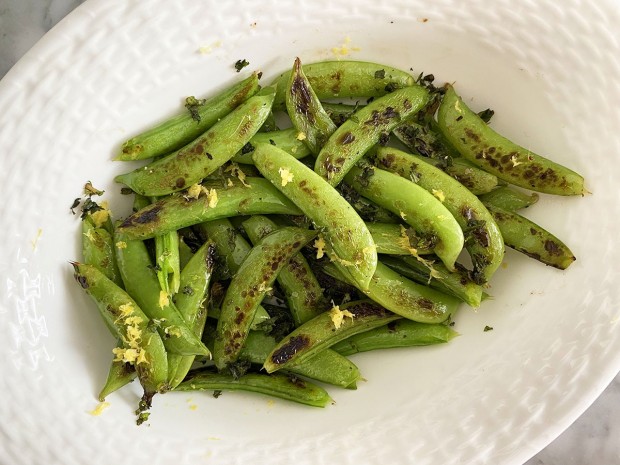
<point x="487" y="149"/>
<point x="210" y="202"/>
<point x="341" y="227"/>
<point x="98" y="250"/>
<point x="368" y="210"/>
<point x="120" y="374"/>
<point x="184" y="128"/>
<point x="527" y="237"/>
<point x="415" y="205"/>
<point x="249" y="286"/>
<point x="142" y="346"/>
<point x="474" y="179"/>
<point x="344" y="79"/>
<point x="483" y="239"/>
<point x="399" y="333"/>
<point x="509" y="199"/>
<point x="339" y="112"/>
<point x="364" y="129"/>
<point x="325" y="330"/>
<point x="168" y="262"/>
<point x="278" y="385"/>
<point x="286" y="139"/>
<point x="396" y="239"/>
<point x="302" y="291"/>
<point x="204" y="155"/>
<point x="402" y="296"/>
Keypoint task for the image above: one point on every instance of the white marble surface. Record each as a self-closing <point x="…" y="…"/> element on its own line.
<point x="593" y="439"/>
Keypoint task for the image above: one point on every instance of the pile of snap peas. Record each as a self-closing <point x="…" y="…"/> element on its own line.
<point x="258" y="258"/>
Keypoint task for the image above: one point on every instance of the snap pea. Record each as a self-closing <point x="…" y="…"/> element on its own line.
<point x="119" y="375"/>
<point x="98" y="250"/>
<point x="302" y="291"/>
<point x="339" y="112"/>
<point x="231" y="246"/>
<point x="261" y="315"/>
<point x="304" y="108"/>
<point x="530" y="239"/>
<point x="168" y="261"/>
<point x="416" y="206"/>
<point x="474" y="179"/>
<point x="484" y="147"/>
<point x="509" y="199"/>
<point x="286" y="139"/>
<point x="249" y="286"/>
<point x="178" y="211"/>
<point x="483" y="239"/>
<point x="204" y="155"/>
<point x="141" y="283"/>
<point x="182" y="129"/>
<point x="363" y="130"/>
<point x="185" y="253"/>
<point x="341" y="226"/>
<point x="395" y="239"/>
<point x="344" y="79"/>
<point x="368" y="210"/>
<point x="399" y="333"/>
<point x="277" y="385"/>
<point x="402" y="296"/>
<point x="142" y="346"/>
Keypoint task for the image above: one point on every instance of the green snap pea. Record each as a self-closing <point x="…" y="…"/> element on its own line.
<point x="302" y="291"/>
<point x="182" y="129"/>
<point x="286" y="139"/>
<point x="325" y="330"/>
<point x="339" y="112"/>
<point x="344" y="79"/>
<point x="177" y="211"/>
<point x="509" y="199"/>
<point x="141" y="283"/>
<point x="205" y="154"/>
<point x="399" y="333"/>
<point x="168" y="261"/>
<point x="395" y="239"/>
<point x="277" y="385"/>
<point x="231" y="246"/>
<point x="142" y="346"/>
<point x="119" y="375"/>
<point x="474" y="179"/>
<point x="343" y="229"/>
<point x="530" y="239"/>
<point x="260" y="316"/>
<point x="483" y="239"/>
<point x="249" y="286"/>
<point x="484" y="147"/>
<point x="185" y="254"/>
<point x="402" y="296"/>
<point x="364" y="129"/>
<point x="368" y="210"/>
<point x="305" y="110"/>
<point x="416" y="206"/>
<point x="98" y="250"/>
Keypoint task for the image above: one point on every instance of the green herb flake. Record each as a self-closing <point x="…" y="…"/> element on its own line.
<point x="486" y="115"/>
<point x="193" y="104"/>
<point x="187" y="290"/>
<point x="488" y="328"/>
<point x="240" y="64"/>
<point x="217" y="393"/>
<point x="380" y="74"/>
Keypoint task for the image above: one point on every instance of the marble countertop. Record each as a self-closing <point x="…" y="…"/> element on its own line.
<point x="593" y="439"/>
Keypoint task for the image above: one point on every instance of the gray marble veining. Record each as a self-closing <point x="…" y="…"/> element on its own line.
<point x="593" y="439"/>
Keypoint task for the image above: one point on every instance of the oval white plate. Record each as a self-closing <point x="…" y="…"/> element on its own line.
<point x="552" y="74"/>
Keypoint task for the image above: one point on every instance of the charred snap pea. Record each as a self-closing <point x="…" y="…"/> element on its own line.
<point x="325" y="330"/>
<point x="481" y="145"/>
<point x="210" y="202"/>
<point x="98" y="250"/>
<point x="204" y="155"/>
<point x="364" y="129"/>
<point x="399" y="333"/>
<point x="530" y="239"/>
<point x="342" y="228"/>
<point x="286" y="139"/>
<point x="286" y="387"/>
<point x="120" y="374"/>
<point x="415" y="205"/>
<point x="182" y="129"/>
<point x="509" y="199"/>
<point x="249" y="286"/>
<point x="483" y="239"/>
<point x="395" y="239"/>
<point x="168" y="262"/>
<point x="368" y="210"/>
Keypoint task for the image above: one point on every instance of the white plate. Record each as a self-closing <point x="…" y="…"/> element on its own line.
<point x="552" y="74"/>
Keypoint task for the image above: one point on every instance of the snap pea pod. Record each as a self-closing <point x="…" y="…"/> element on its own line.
<point x="339" y="112"/>
<point x="325" y="330"/>
<point x="185" y="254"/>
<point x="168" y="262"/>
<point x="483" y="239"/>
<point x="141" y="283"/>
<point x="231" y="246"/>
<point x="474" y="179"/>
<point x="142" y="346"/>
<point x="341" y="226"/>
<point x="182" y="129"/>
<point x="203" y="156"/>
<point x="484" y="147"/>
<point x="368" y="210"/>
<point x="326" y="366"/>
<point x="302" y="291"/>
<point x="119" y="375"/>
<point x="177" y="211"/>
<point x="277" y="385"/>
<point x="98" y="250"/>
<point x="509" y="199"/>
<point x="249" y="286"/>
<point x="395" y="239"/>
<point x="304" y="108"/>
<point x="344" y="79"/>
<point x="261" y="315"/>
<point x="286" y="139"/>
<point x="359" y="133"/>
<point x="456" y="283"/>
<point x="194" y="288"/>
<point x="399" y="333"/>
<point x="530" y="239"/>
<point x="416" y="206"/>
<point x="402" y="296"/>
